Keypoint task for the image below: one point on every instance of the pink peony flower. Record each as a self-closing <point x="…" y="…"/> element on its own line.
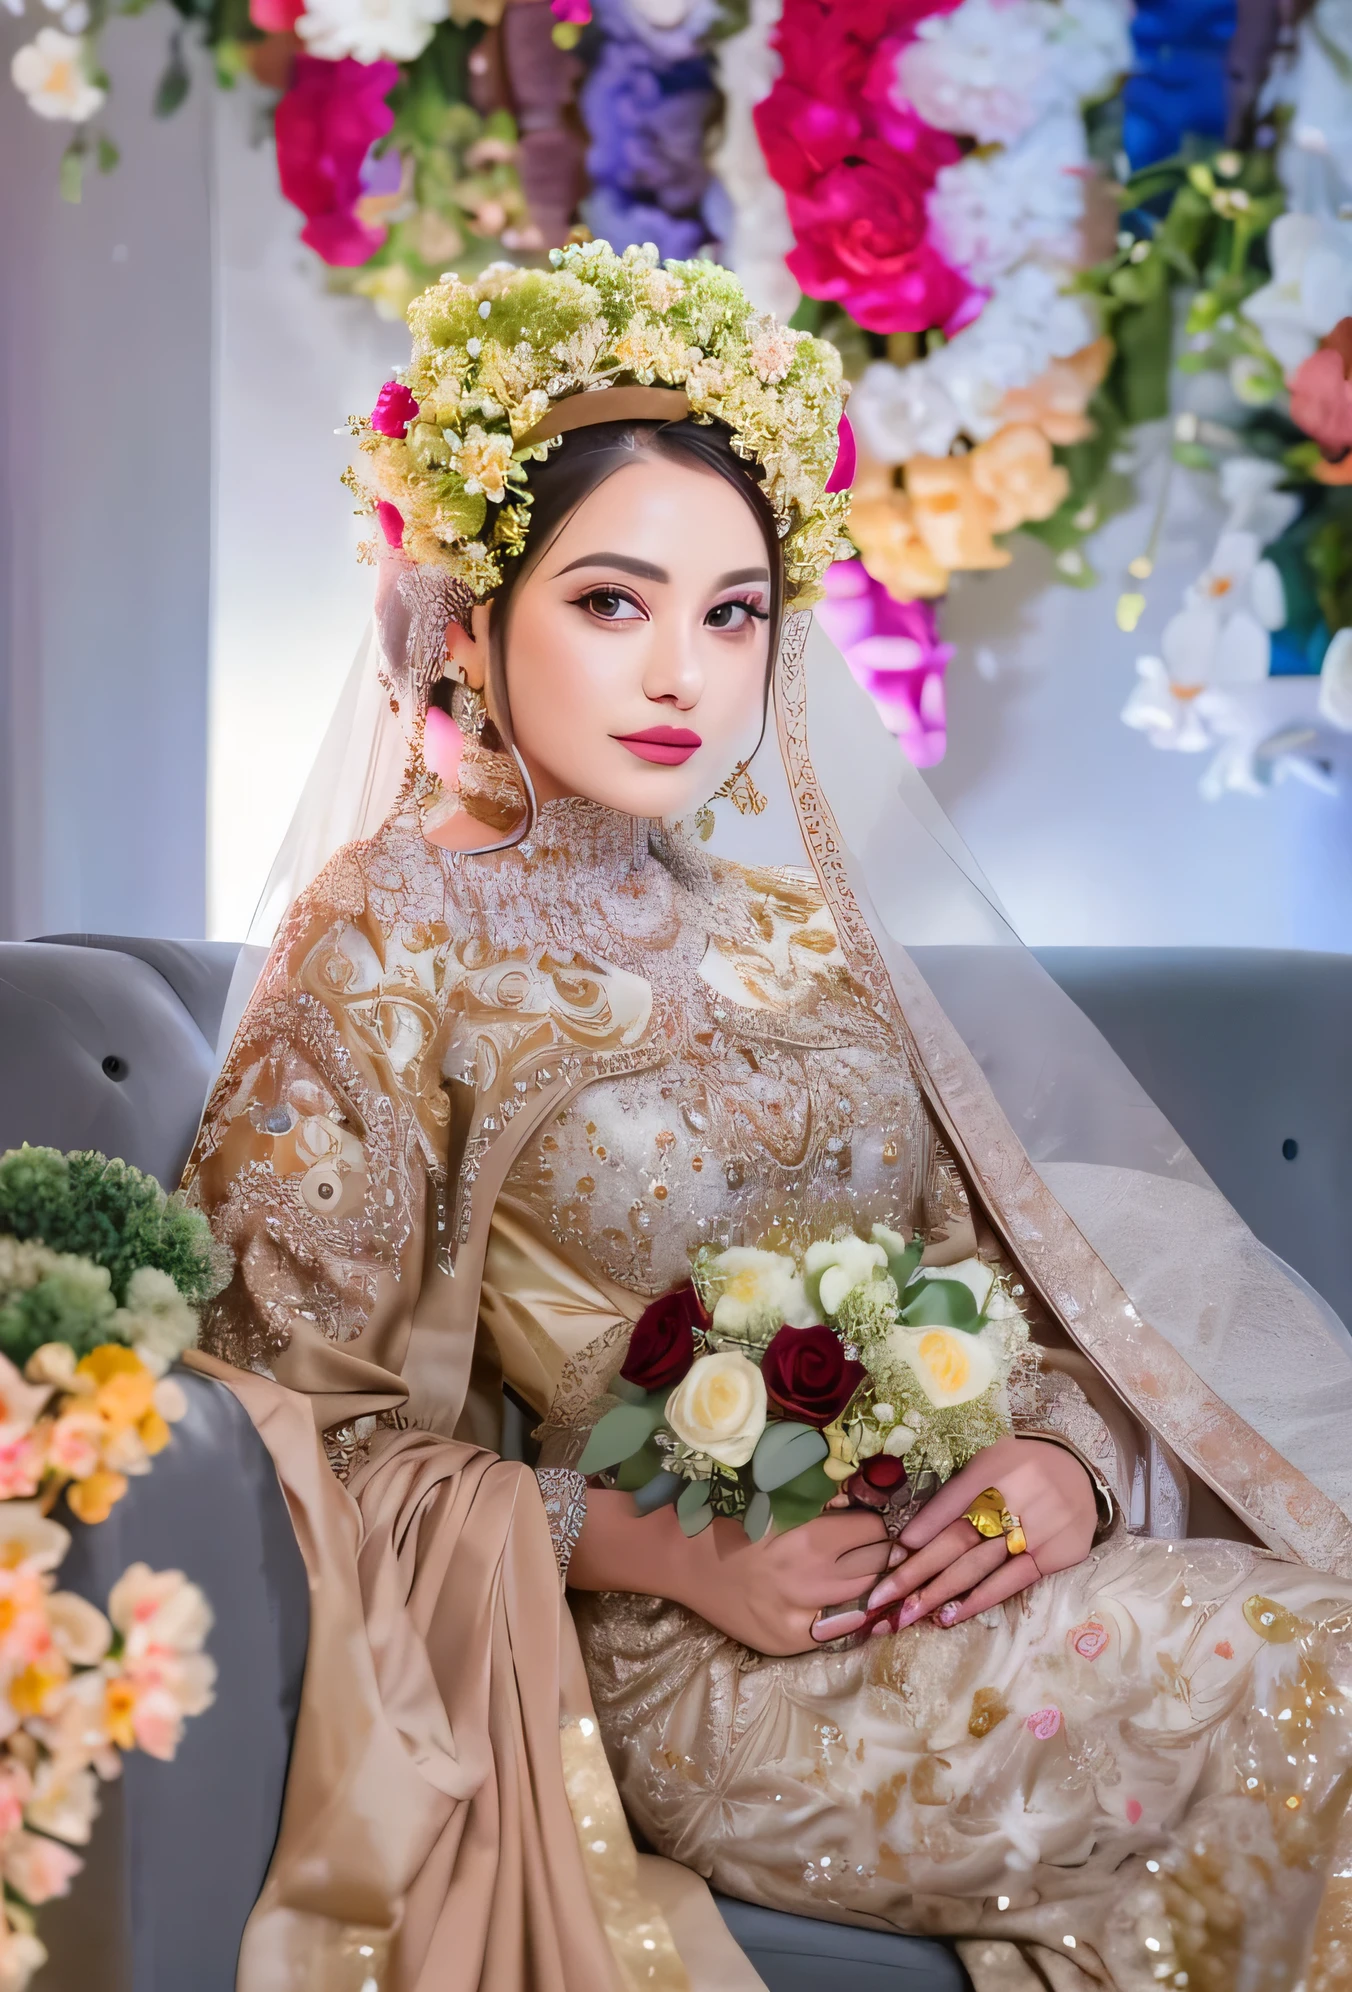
<point x="276" y="17"/>
<point x="391" y="522"/>
<point x="1321" y="394"/>
<point x="894" y="652"/>
<point x="395" y="408"/>
<point x="39" y="1869"/>
<point x="577" y="12"/>
<point x="326" y="124"/>
<point x="857" y="169"/>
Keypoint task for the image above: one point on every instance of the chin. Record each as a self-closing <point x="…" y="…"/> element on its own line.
<point x="644" y="790"/>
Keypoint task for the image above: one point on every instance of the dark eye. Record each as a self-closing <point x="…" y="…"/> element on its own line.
<point x="610" y="605"/>
<point x="733" y="615"/>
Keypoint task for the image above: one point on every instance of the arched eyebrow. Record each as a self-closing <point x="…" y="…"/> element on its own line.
<point x="645" y="570"/>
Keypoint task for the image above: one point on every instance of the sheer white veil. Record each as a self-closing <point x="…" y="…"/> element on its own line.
<point x="1174" y="1253"/>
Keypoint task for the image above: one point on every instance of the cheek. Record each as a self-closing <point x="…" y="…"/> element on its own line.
<point x="560" y="685"/>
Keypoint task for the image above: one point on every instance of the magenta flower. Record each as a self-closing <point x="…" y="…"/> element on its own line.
<point x="326" y="125"/>
<point x="894" y="652"/>
<point x="391" y="522"/>
<point x="577" y="12"/>
<point x="847" y="458"/>
<point x="395" y="408"/>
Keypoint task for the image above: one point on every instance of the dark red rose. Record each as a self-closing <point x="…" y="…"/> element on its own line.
<point x="662" y="1346"/>
<point x="808" y="1376"/>
<point x="876" y="1482"/>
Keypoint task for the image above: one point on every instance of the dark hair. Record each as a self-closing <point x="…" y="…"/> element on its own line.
<point x="584" y="460"/>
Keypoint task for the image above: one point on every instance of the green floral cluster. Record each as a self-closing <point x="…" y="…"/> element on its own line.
<point x="491" y="356"/>
<point x="106" y="1211"/>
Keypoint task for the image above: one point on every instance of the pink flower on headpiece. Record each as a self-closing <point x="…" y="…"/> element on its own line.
<point x="894" y="652"/>
<point x="395" y="408"/>
<point x="391" y="522"/>
<point x="847" y="457"/>
<point x="326" y="125"/>
<point x="578" y="12"/>
<point x="275" y="17"/>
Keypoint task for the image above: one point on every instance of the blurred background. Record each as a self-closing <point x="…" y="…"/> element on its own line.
<point x="182" y="598"/>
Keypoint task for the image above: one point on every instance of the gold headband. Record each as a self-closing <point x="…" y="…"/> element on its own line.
<point x="610" y="404"/>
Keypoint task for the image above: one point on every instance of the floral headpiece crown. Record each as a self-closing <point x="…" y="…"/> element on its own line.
<point x="447" y="447"/>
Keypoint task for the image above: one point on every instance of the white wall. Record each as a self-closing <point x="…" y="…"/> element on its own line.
<point x="290" y="599"/>
<point x="1088" y="833"/>
<point x="105" y="449"/>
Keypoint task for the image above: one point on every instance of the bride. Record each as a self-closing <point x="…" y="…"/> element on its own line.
<point x="526" y="1040"/>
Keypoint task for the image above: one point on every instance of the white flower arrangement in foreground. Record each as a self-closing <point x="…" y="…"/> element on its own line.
<point x="51" y="72"/>
<point x="370" y="30"/>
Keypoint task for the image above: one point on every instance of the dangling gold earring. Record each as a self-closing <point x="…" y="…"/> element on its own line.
<point x="468" y="709"/>
<point x="741" y="791"/>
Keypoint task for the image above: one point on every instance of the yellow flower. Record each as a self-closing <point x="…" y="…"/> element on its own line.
<point x="93" y="1499"/>
<point x="483" y="461"/>
<point x="1015" y="473"/>
<point x="953" y="518"/>
<point x="119" y="1707"/>
<point x="1056" y="401"/>
<point x="32" y="1688"/>
<point x="720" y="1408"/>
<point x="890" y="546"/>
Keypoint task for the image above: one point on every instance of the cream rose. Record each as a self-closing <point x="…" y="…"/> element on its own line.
<point x="760" y="1292"/>
<point x="720" y="1407"/>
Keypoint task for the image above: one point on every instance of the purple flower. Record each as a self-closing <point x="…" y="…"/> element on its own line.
<point x="646" y="104"/>
<point x="894" y="651"/>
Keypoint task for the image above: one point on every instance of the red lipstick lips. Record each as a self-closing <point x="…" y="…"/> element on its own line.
<point x="668" y="746"/>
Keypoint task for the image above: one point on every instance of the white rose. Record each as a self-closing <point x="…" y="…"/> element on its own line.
<point x="720" y="1407"/>
<point x="843" y="1263"/>
<point x="760" y="1291"/>
<point x="950" y="1366"/>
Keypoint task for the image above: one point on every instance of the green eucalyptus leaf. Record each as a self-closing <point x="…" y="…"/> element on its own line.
<point x="903" y="1265"/>
<point x="802" y="1499"/>
<point x="639" y="1468"/>
<point x="941" y="1303"/>
<point x="631" y="1393"/>
<point x="693" y="1511"/>
<point x="617" y="1435"/>
<point x="658" y="1492"/>
<point x="784" y="1451"/>
<point x="758" y="1516"/>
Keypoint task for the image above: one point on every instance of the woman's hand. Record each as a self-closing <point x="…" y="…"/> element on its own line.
<point x="953" y="1572"/>
<point x="765" y="1594"/>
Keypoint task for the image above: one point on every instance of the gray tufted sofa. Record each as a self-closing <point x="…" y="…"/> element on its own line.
<point x="107" y="1043"/>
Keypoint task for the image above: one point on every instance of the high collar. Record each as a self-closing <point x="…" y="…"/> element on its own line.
<point x="580" y="833"/>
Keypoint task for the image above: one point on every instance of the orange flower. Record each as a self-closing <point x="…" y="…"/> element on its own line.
<point x="94" y="1499"/>
<point x="1015" y="473"/>
<point x="119" y="1709"/>
<point x="954" y="518"/>
<point x="1056" y="401"/>
<point x="884" y="530"/>
<point x="153" y="1432"/>
<point x="124" y="1387"/>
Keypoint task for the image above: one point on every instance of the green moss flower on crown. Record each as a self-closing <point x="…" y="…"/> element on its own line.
<point x="445" y="464"/>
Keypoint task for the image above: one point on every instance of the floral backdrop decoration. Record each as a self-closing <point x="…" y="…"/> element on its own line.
<point x="100" y="1278"/>
<point x="1030" y="226"/>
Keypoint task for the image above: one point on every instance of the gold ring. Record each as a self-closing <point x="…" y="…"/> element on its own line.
<point x="990" y="1516"/>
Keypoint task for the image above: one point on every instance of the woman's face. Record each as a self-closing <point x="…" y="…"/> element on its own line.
<point x="637" y="646"/>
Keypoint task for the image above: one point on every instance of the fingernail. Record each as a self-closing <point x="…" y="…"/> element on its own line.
<point x="946" y="1614"/>
<point x="838" y="1627"/>
<point x="911" y="1610"/>
<point x="881" y="1629"/>
<point x="895" y="1555"/>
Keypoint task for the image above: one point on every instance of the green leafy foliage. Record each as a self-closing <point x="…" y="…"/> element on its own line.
<point x="111" y="1213"/>
<point x="802" y="1499"/>
<point x="621" y="1432"/>
<point x="74" y="1305"/>
<point x="785" y="1450"/>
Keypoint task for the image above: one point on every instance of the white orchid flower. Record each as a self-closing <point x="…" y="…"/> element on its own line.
<point x="843" y="1264"/>
<point x="1164" y="711"/>
<point x="761" y="1291"/>
<point x="50" y="72"/>
<point x="1249" y="487"/>
<point x="1335" y="682"/>
<point x="1311" y="287"/>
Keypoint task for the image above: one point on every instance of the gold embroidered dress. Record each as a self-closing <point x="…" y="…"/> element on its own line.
<point x="479" y="1111"/>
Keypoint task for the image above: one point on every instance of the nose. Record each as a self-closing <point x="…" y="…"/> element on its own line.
<point x="673" y="674"/>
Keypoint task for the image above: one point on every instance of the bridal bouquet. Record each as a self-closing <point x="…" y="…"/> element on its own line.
<point x="768" y="1382"/>
<point x="99" y="1276"/>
